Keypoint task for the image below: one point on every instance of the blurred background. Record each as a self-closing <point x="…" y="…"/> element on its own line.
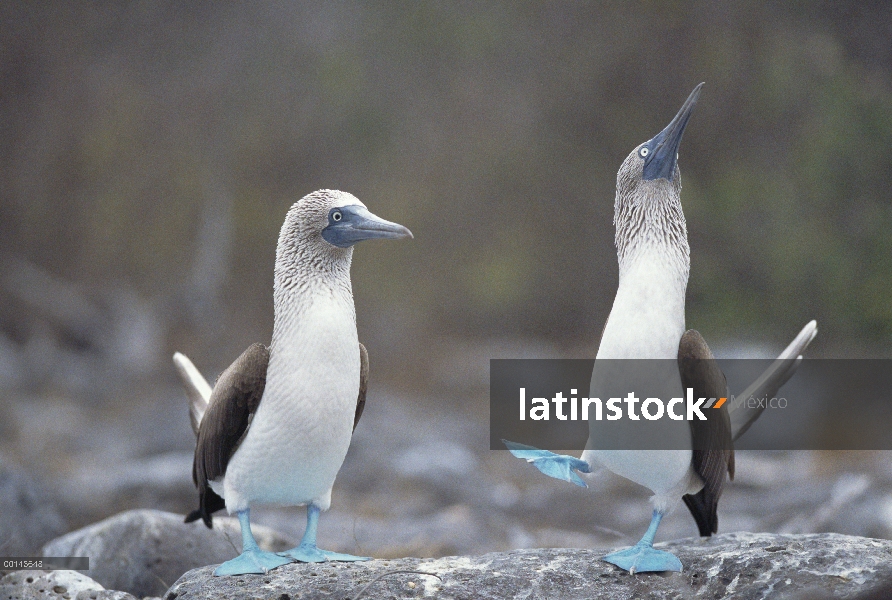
<point x="150" y="151"/>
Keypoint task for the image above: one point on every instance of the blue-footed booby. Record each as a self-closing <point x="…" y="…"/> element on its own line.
<point x="276" y="427"/>
<point x="647" y="321"/>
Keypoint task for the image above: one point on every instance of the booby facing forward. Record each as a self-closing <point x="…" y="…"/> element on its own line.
<point x="647" y="321"/>
<point x="277" y="425"/>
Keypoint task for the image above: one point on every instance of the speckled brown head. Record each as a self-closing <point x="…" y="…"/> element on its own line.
<point x="647" y="209"/>
<point x="319" y="232"/>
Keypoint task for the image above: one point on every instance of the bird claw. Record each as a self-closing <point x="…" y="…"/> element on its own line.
<point x="559" y="466"/>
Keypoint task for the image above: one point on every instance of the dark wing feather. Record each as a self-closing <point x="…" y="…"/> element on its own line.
<point x="713" y="456"/>
<point x="233" y="402"/>
<point x="363" y="383"/>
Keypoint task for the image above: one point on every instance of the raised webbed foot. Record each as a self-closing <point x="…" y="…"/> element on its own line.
<point x="559" y="466"/>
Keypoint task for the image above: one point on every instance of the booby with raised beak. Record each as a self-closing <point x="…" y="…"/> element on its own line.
<point x="647" y="321"/>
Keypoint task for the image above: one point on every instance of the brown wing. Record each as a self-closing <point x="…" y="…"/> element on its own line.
<point x="233" y="402"/>
<point x="713" y="456"/>
<point x="363" y="383"/>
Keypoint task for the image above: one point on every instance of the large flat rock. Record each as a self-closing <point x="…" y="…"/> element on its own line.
<point x="738" y="565"/>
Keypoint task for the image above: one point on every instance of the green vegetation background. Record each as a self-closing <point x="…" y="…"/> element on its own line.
<point x="156" y="146"/>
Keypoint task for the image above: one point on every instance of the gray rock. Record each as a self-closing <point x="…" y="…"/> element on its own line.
<point x="738" y="565"/>
<point x="105" y="595"/>
<point x="46" y="585"/>
<point x="142" y="551"/>
<point x="29" y="516"/>
<point x="55" y="585"/>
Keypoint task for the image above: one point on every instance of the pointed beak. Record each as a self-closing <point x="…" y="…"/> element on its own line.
<point x="357" y="223"/>
<point x="664" y="155"/>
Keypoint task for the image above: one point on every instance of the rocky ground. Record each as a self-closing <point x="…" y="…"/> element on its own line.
<point x="730" y="565"/>
<point x="733" y="565"/>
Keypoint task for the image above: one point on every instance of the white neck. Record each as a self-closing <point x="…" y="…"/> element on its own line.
<point x="314" y="331"/>
<point x="647" y="319"/>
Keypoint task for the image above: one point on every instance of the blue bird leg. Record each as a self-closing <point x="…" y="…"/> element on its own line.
<point x="642" y="556"/>
<point x="559" y="466"/>
<point x="651" y="533"/>
<point x="308" y="552"/>
<point x="252" y="559"/>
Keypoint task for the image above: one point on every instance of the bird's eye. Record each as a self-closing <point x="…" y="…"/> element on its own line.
<point x="336" y="216"/>
<point x="644" y="152"/>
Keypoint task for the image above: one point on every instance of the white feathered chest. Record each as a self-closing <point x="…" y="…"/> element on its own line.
<point x="300" y="434"/>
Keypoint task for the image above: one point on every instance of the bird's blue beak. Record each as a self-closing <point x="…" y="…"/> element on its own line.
<point x="663" y="148"/>
<point x="350" y="224"/>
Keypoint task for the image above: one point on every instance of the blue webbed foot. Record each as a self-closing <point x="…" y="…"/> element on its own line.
<point x="309" y="553"/>
<point x="251" y="561"/>
<point x="559" y="466"/>
<point x="641" y="558"/>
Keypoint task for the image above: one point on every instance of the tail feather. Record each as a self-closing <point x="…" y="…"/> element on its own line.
<point x="209" y="503"/>
<point x="771" y="380"/>
<point x="197" y="389"/>
<point x="199" y="393"/>
<point x="705" y="513"/>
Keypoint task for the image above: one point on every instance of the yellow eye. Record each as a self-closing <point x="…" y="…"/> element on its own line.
<point x="643" y="152"/>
